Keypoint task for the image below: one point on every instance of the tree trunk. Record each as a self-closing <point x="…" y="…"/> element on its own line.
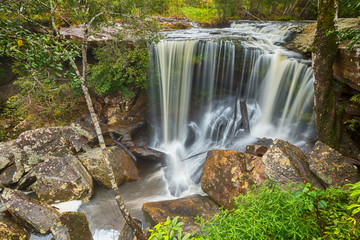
<point x="324" y="52"/>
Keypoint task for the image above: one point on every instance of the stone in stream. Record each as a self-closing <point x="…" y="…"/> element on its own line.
<point x="124" y="167"/>
<point x="332" y="167"/>
<point x="286" y="163"/>
<point x="60" y="179"/>
<point x="257" y="150"/>
<point x="228" y="173"/>
<point x="11" y="230"/>
<point x="187" y="209"/>
<point x="146" y="153"/>
<point x="28" y="211"/>
<point x="71" y="226"/>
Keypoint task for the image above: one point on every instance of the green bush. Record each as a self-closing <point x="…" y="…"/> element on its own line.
<point x="272" y="212"/>
<point x="169" y="230"/>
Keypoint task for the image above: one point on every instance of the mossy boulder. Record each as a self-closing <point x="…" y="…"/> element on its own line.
<point x="228" y="173"/>
<point x="71" y="226"/>
<point x="60" y="179"/>
<point x="9" y="230"/>
<point x="28" y="211"/>
<point x="331" y="167"/>
<point x="287" y="164"/>
<point x="124" y="167"/>
<point x="187" y="209"/>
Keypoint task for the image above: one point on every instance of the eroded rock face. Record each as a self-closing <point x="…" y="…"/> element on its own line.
<point x="332" y="167"/>
<point x="39" y="217"/>
<point x="286" y="163"/>
<point x="228" y="173"/>
<point x="71" y="226"/>
<point x="61" y="178"/>
<point x="124" y="167"/>
<point x="31" y="146"/>
<point x="186" y="208"/>
<point x="11" y="230"/>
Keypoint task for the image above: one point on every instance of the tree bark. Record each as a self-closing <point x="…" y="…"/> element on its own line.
<point x="324" y="52"/>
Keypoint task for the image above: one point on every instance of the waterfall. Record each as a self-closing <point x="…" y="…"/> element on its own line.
<point x="198" y="78"/>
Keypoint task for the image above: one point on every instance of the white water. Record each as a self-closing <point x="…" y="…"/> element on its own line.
<point x="199" y="75"/>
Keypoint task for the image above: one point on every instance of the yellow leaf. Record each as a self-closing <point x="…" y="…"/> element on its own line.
<point x="20" y="42"/>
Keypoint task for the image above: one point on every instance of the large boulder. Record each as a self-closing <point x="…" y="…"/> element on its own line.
<point x="39" y="217"/>
<point x="11" y="230"/>
<point x="31" y="146"/>
<point x="187" y="209"/>
<point x="332" y="167"/>
<point x="71" y="226"/>
<point x="286" y="163"/>
<point x="228" y="173"/>
<point x="124" y="167"/>
<point x="60" y="179"/>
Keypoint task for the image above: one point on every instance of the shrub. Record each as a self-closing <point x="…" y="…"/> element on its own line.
<point x="169" y="230"/>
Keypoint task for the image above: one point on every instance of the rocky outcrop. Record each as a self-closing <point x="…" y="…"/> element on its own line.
<point x="257" y="150"/>
<point x="31" y="213"/>
<point x="31" y="146"/>
<point x="11" y="230"/>
<point x="331" y="167"/>
<point x="71" y="226"/>
<point x="60" y="179"/>
<point x="228" y="173"/>
<point x="124" y="167"/>
<point x="286" y="163"/>
<point x="187" y="209"/>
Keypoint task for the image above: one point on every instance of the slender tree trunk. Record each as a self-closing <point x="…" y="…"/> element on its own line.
<point x="325" y="48"/>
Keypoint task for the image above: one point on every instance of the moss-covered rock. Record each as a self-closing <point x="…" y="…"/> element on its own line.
<point x="28" y="211"/>
<point x="228" y="173"/>
<point x="71" y="226"/>
<point x="9" y="230"/>
<point x="124" y="167"/>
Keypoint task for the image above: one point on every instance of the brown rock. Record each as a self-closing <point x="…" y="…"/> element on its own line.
<point x="257" y="150"/>
<point x="332" y="167"/>
<point x="228" y="173"/>
<point x="11" y="230"/>
<point x="24" y="209"/>
<point x="124" y="167"/>
<point x="186" y="208"/>
<point x="61" y="179"/>
<point x="286" y="163"/>
<point x="347" y="67"/>
<point x="147" y="153"/>
<point x="71" y="226"/>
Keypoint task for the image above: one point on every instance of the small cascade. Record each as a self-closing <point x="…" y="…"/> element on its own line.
<point x="199" y="77"/>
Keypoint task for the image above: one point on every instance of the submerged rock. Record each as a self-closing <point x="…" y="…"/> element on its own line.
<point x="187" y="209"/>
<point x="61" y="179"/>
<point x="228" y="173"/>
<point x="24" y="209"/>
<point x="286" y="163"/>
<point x="71" y="226"/>
<point x="125" y="169"/>
<point x="332" y="167"/>
<point x="11" y="230"/>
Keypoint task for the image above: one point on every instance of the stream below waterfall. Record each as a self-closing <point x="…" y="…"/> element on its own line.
<point x="198" y="77"/>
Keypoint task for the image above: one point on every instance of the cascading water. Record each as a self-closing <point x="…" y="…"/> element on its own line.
<point x="199" y="76"/>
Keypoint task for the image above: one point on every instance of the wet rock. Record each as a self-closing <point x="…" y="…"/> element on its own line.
<point x="30" y="147"/>
<point x="39" y="217"/>
<point x="228" y="173"/>
<point x="257" y="150"/>
<point x="11" y="230"/>
<point x="127" y="233"/>
<point x="264" y="142"/>
<point x="352" y="108"/>
<point x="146" y="153"/>
<point x="126" y="128"/>
<point x="60" y="179"/>
<point x="124" y="167"/>
<point x="71" y="226"/>
<point x="286" y="163"/>
<point x="332" y="167"/>
<point x="186" y="208"/>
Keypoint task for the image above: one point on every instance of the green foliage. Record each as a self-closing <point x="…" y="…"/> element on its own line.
<point x="272" y="212"/>
<point x="355" y="195"/>
<point x="202" y="15"/>
<point x="121" y="67"/>
<point x="169" y="230"/>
